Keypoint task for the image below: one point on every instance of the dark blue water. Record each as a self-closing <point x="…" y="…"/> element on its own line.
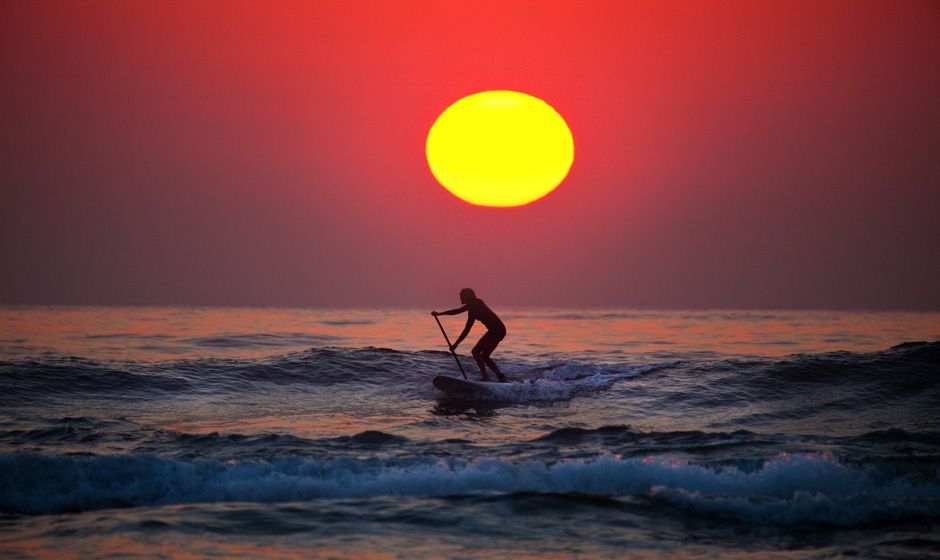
<point x="349" y="452"/>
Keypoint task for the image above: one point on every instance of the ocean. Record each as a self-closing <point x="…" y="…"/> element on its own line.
<point x="256" y="432"/>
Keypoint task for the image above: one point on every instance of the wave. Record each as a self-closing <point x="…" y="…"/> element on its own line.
<point x="907" y="366"/>
<point x="87" y="435"/>
<point x="317" y="367"/>
<point x="906" y="375"/>
<point x="808" y="489"/>
<point x="57" y="375"/>
<point x="625" y="435"/>
<point x="29" y="380"/>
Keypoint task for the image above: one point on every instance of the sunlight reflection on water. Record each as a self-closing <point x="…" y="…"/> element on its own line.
<point x="160" y="333"/>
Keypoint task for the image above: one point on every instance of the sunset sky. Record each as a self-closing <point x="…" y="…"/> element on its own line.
<point x="727" y="154"/>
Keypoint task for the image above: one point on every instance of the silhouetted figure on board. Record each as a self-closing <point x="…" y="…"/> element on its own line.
<point x="478" y="311"/>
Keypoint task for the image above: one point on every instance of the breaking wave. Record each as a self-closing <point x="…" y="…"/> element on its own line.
<point x="789" y="490"/>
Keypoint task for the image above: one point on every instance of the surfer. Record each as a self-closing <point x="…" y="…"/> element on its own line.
<point x="477" y="310"/>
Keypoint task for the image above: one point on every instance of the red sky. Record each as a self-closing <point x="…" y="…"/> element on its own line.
<point x="727" y="154"/>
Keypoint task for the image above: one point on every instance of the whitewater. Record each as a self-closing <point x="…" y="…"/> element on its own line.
<point x="317" y="433"/>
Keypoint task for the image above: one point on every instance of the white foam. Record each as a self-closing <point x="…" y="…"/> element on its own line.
<point x="562" y="382"/>
<point x="813" y="489"/>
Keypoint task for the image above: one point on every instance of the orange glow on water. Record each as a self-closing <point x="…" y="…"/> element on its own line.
<point x="166" y="333"/>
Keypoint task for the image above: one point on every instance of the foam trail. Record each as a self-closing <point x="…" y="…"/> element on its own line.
<point x="562" y="382"/>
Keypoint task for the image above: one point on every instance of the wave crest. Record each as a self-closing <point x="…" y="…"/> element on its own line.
<point x="785" y="491"/>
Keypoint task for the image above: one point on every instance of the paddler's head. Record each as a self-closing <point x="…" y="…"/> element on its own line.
<point x="467" y="295"/>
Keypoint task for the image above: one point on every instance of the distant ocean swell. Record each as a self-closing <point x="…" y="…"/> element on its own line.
<point x="789" y="490"/>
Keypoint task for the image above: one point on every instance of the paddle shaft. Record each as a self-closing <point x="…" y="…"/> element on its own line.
<point x="456" y="359"/>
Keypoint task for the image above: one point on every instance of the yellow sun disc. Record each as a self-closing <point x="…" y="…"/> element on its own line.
<point x="500" y="148"/>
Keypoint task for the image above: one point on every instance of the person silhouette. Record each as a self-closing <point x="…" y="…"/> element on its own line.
<point x="477" y="310"/>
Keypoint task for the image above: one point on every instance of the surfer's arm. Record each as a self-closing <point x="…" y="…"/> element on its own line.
<point x="466" y="331"/>
<point x="460" y="309"/>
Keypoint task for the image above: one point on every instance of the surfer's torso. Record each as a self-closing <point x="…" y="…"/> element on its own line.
<point x="479" y="311"/>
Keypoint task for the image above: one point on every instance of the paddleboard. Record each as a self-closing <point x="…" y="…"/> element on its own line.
<point x="456" y="387"/>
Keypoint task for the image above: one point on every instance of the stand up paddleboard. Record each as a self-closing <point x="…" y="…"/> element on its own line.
<point x="456" y="387"/>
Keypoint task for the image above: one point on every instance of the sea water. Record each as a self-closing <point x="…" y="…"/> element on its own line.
<point x="317" y="433"/>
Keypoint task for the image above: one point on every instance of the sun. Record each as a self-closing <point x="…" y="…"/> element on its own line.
<point x="500" y="148"/>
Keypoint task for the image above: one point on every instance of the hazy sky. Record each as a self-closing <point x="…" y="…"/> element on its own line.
<point x="745" y="154"/>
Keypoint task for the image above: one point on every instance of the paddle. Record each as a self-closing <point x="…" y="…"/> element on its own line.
<point x="456" y="359"/>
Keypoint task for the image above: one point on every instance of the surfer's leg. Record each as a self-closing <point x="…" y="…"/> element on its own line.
<point x="479" y="357"/>
<point x="499" y="374"/>
<point x="492" y="342"/>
